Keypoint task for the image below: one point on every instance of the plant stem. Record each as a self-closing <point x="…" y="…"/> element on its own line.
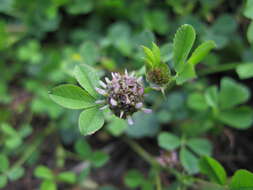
<point x="149" y="158"/>
<point x="143" y="153"/>
<point x="219" y="68"/>
<point x="158" y="182"/>
<point x="154" y="163"/>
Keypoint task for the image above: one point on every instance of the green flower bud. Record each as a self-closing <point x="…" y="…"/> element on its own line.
<point x="160" y="76"/>
<point x="157" y="73"/>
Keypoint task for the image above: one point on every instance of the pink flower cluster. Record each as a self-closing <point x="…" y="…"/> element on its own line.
<point x="124" y="95"/>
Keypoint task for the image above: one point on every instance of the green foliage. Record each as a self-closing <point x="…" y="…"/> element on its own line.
<point x="50" y="178"/>
<point x="213" y="170"/>
<point x="242" y="179"/>
<point x="245" y="70"/>
<point x="248" y="12"/>
<point x="200" y="146"/>
<point x="16" y="173"/>
<point x="117" y="126"/>
<point x="168" y="141"/>
<point x="90" y="121"/>
<point x="67" y="177"/>
<point x="228" y="87"/>
<point x="48" y="185"/>
<point x="201" y="52"/>
<point x="3" y="181"/>
<point x="43" y="173"/>
<point x="48" y="43"/>
<point x="4" y="163"/>
<point x="190" y="149"/>
<point x="153" y="56"/>
<point x="99" y="158"/>
<point x="96" y="158"/>
<point x="240" y="117"/>
<point x="71" y="96"/>
<point x="135" y="179"/>
<point x="225" y="108"/>
<point x="87" y="78"/>
<point x="196" y="101"/>
<point x="250" y="33"/>
<point x="182" y="44"/>
<point x="83" y="148"/>
<point x="189" y="161"/>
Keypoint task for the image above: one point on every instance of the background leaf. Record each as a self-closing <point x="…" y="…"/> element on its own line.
<point x="200" y="146"/>
<point x="245" y="70"/>
<point x="242" y="180"/>
<point x="212" y="96"/>
<point x="99" y="158"/>
<point x="4" y="163"/>
<point x="89" y="52"/>
<point x="67" y="177"/>
<point x="196" y="101"/>
<point x="213" y="170"/>
<point x="3" y="181"/>
<point x="48" y="185"/>
<point x="133" y="178"/>
<point x="117" y="126"/>
<point x="189" y="161"/>
<point x="16" y="173"/>
<point x="248" y="12"/>
<point x="232" y="93"/>
<point x="250" y="32"/>
<point x="168" y="141"/>
<point x="44" y="172"/>
<point x="240" y="118"/>
<point x="83" y="148"/>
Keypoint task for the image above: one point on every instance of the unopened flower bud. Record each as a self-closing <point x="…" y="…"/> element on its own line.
<point x="160" y="76"/>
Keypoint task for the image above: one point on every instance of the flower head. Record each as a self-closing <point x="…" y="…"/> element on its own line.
<point x="124" y="95"/>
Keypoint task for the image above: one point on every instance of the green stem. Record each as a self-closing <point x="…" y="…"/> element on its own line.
<point x="154" y="163"/>
<point x="219" y="68"/>
<point x="143" y="153"/>
<point x="158" y="182"/>
<point x="148" y="158"/>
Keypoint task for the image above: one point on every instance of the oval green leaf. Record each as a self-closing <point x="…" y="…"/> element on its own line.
<point x="3" y="181"/>
<point x="245" y="70"/>
<point x="67" y="177"/>
<point x="48" y="185"/>
<point x="189" y="161"/>
<point x="182" y="44"/>
<point x="4" y="163"/>
<point x="232" y="93"/>
<point x="168" y="141"/>
<point x="71" y="96"/>
<point x="240" y="118"/>
<point x="201" y="51"/>
<point x="43" y="172"/>
<point x="242" y="180"/>
<point x="200" y="146"/>
<point x="90" y="121"/>
<point x="87" y="78"/>
<point x="213" y="170"/>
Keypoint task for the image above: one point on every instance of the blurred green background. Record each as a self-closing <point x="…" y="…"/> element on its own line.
<point x="41" y="41"/>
